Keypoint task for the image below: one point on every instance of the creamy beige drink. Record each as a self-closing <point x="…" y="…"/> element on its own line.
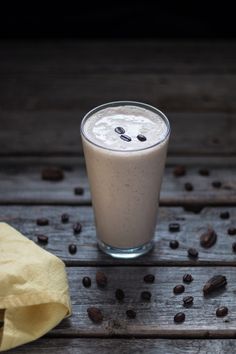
<point x="125" y="146"/>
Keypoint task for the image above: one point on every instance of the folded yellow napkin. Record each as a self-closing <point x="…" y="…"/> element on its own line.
<point x="34" y="294"/>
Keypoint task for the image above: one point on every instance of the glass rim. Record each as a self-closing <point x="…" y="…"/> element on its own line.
<point x="125" y="103"/>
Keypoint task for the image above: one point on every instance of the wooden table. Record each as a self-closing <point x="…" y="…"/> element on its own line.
<point x="46" y="88"/>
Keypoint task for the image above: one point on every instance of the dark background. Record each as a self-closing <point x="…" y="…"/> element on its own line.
<point x="128" y="19"/>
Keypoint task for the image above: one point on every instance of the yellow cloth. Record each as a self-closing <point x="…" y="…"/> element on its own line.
<point x="34" y="293"/>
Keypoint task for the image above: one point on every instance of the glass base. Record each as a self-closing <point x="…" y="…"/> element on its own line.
<point x="125" y="253"/>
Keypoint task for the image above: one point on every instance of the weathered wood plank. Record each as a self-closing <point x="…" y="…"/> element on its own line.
<point x="71" y="56"/>
<point x="154" y="318"/>
<point x="127" y="346"/>
<point x="192" y="225"/>
<point x="45" y="132"/>
<point x="21" y="182"/>
<point x="179" y="93"/>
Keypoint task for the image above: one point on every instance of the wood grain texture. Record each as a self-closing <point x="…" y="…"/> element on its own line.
<point x="127" y="346"/>
<point x="192" y="225"/>
<point x="80" y="92"/>
<point x="21" y="182"/>
<point x="154" y="318"/>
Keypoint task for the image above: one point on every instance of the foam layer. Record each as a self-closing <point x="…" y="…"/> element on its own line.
<point x="99" y="128"/>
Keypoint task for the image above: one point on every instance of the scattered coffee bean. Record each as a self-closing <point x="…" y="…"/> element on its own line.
<point x="72" y="248"/>
<point x="204" y="172"/>
<point x="125" y="137"/>
<point x="188" y="186"/>
<point x="95" y="314"/>
<point x="86" y="282"/>
<point x="225" y="215"/>
<point x="174" y="227"/>
<point x="232" y="231"/>
<point x="42" y="239"/>
<point x="193" y="253"/>
<point x="78" y="190"/>
<point x="187" y="278"/>
<point x="179" y="317"/>
<point x="234" y="247"/>
<point x="222" y="311"/>
<point x="149" y="278"/>
<point x="178" y="289"/>
<point x="188" y="301"/>
<point x="77" y="227"/>
<point x="193" y="208"/>
<point x="214" y="283"/>
<point x="208" y="238"/>
<point x="141" y="137"/>
<point x="101" y="279"/>
<point x="42" y="221"/>
<point x="146" y="295"/>
<point x="120" y="294"/>
<point x="174" y="244"/>
<point x="131" y="314"/>
<point x="216" y="184"/>
<point x="179" y="171"/>
<point x="65" y="218"/>
<point x="52" y="174"/>
<point x="119" y="130"/>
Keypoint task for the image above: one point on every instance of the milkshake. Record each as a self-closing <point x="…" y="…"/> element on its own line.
<point x="125" y="145"/>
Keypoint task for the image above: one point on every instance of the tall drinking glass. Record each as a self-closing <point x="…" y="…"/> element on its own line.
<point x="125" y="145"/>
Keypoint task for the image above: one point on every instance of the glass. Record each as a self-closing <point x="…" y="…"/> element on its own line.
<point x="125" y="188"/>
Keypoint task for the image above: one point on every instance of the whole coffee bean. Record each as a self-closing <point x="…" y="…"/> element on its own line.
<point x="178" y="289"/>
<point x="192" y="253"/>
<point x="42" y="238"/>
<point x="119" y="294"/>
<point x="42" y="221"/>
<point x="214" y="283"/>
<point x="208" y="238"/>
<point x="174" y="227"/>
<point x="188" y="301"/>
<point x="225" y="215"/>
<point x="216" y="184"/>
<point x="101" y="279"/>
<point x="149" y="278"/>
<point x="204" y="172"/>
<point x="86" y="282"/>
<point x="234" y="247"/>
<point x="72" y="248"/>
<point x="131" y="314"/>
<point x="187" y="278"/>
<point x="188" y="186"/>
<point x="52" y="174"/>
<point x="179" y="317"/>
<point x="65" y="218"/>
<point x="179" y="171"/>
<point x="125" y="137"/>
<point x="141" y="137"/>
<point x="222" y="311"/>
<point x="146" y="295"/>
<point x="77" y="227"/>
<point x="232" y="231"/>
<point x="95" y="314"/>
<point x="119" y="130"/>
<point x="78" y="190"/>
<point x="174" y="244"/>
